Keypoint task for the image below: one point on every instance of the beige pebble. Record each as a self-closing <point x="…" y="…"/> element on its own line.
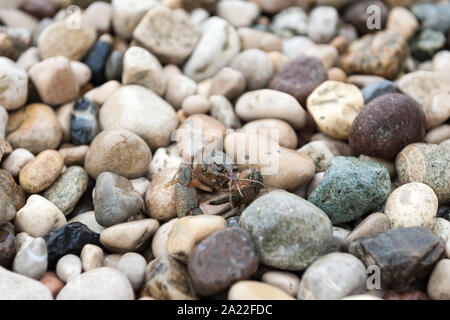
<point x="140" y="185"/>
<point x="411" y="205"/>
<point x="91" y="257"/>
<point x="438" y="134"/>
<point x="389" y="165"/>
<point x="222" y="110"/>
<point x="133" y="265"/>
<point x="55" y="80"/>
<point x="321" y="152"/>
<point x="337" y="74"/>
<point x="164" y="158"/>
<point x="267" y="103"/>
<point x="41" y="172"/>
<point x="18" y="159"/>
<point x="187" y="232"/>
<point x="171" y="70"/>
<point x="128" y="236"/>
<point x="343" y="147"/>
<point x="362" y="80"/>
<point x="14" y="84"/>
<point x="14" y="286"/>
<point x="74" y="155"/>
<point x="179" y="87"/>
<point x="34" y="128"/>
<point x="38" y="217"/>
<point x="52" y="282"/>
<point x="254" y="290"/>
<point x="159" y="241"/>
<point x="203" y="87"/>
<point x="441" y="227"/>
<point x="63" y="114"/>
<point x="402" y="21"/>
<point x="256" y="66"/>
<point x="195" y="104"/>
<point x="81" y="71"/>
<point x="286" y="281"/>
<point x="3" y="122"/>
<point x="238" y="13"/>
<point x="278" y="60"/>
<point x="326" y="53"/>
<point x="143" y="68"/>
<point x="160" y="194"/>
<point x="101" y="94"/>
<point x="88" y="218"/>
<point x="441" y="61"/>
<point x="111" y="260"/>
<point x="438" y="287"/>
<point x="228" y="82"/>
<point x="282" y="130"/>
<point x="334" y="106"/>
<point x="447" y="249"/>
<point x="374" y="223"/>
<point x="68" y="267"/>
<point x="18" y="19"/>
<point x="314" y="183"/>
<point x="126" y="15"/>
<point x="29" y="58"/>
<point x="31" y="259"/>
<point x="257" y="39"/>
<point x="99" y="16"/>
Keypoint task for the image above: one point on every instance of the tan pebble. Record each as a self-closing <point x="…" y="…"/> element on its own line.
<point x="140" y="185"/>
<point x="162" y="159"/>
<point x="126" y="15"/>
<point x="447" y="248"/>
<point x="41" y="172"/>
<point x="18" y="19"/>
<point x="257" y="39"/>
<point x="111" y="260"/>
<point x="81" y="71"/>
<point x="52" y="282"/>
<point x="402" y="21"/>
<point x="441" y="227"/>
<point x="341" y="44"/>
<point x="38" y="217"/>
<point x="204" y="87"/>
<point x="171" y="70"/>
<point x="411" y="205"/>
<point x="18" y="159"/>
<point x="438" y="134"/>
<point x="99" y="16"/>
<point x="321" y="152"/>
<point x="14" y="84"/>
<point x="63" y="114"/>
<point x="438" y="287"/>
<point x="254" y="290"/>
<point x="91" y="257"/>
<point x="88" y="218"/>
<point x="337" y="74"/>
<point x="160" y="194"/>
<point x="314" y="182"/>
<point x="362" y="80"/>
<point x="34" y="128"/>
<point x="159" y="241"/>
<point x="74" y="155"/>
<point x="179" y="87"/>
<point x="278" y="60"/>
<point x="101" y="94"/>
<point x="128" y="236"/>
<point x="286" y="281"/>
<point x="282" y="130"/>
<point x="389" y="165"/>
<point x="187" y="232"/>
<point x="195" y="104"/>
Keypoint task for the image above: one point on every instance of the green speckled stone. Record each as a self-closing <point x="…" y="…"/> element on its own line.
<point x="350" y="188"/>
<point x="290" y="233"/>
<point x="67" y="190"/>
<point x="428" y="164"/>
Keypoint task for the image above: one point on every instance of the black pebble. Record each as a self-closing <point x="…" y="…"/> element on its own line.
<point x="83" y="122"/>
<point x="96" y="61"/>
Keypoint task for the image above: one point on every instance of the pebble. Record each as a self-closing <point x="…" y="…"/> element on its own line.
<point x="447" y="249"/>
<point x="97" y="57"/>
<point x="275" y="243"/>
<point x="350" y="188"/>
<point x="334" y="106"/>
<point x="359" y="14"/>
<point x="438" y="287"/>
<point x="257" y="39"/>
<point x="286" y="281"/>
<point x="160" y="194"/>
<point x="336" y="74"/>
<point x="290" y="22"/>
<point x="375" y="89"/>
<point x="111" y="260"/>
<point x="98" y="284"/>
<point x="72" y="43"/>
<point x="402" y="21"/>
<point x="129" y="236"/>
<point x="195" y="104"/>
<point x="179" y="87"/>
<point x="168" y="279"/>
<point x="299" y="77"/>
<point x="321" y="153"/>
<point x="126" y="15"/>
<point x="229" y="83"/>
<point x="133" y="108"/>
<point x="159" y="241"/>
<point x="427" y="44"/>
<point x="164" y="158"/>
<point x="256" y="66"/>
<point x="322" y="24"/>
<point x="14" y="41"/>
<point x="73" y="155"/>
<point x="91" y="257"/>
<point x="222" y="110"/>
<point x="374" y="223"/>
<point x="31" y="260"/>
<point x="441" y="227"/>
<point x="7" y="209"/>
<point x="52" y="282"/>
<point x="410" y="295"/>
<point x="108" y="153"/>
<point x="425" y="163"/>
<point x="38" y="217"/>
<point x="168" y="34"/>
<point x="213" y="267"/>
<point x="9" y="186"/>
<point x="81" y="71"/>
<point x="386" y="125"/>
<point x="18" y="19"/>
<point x="441" y="61"/>
<point x="41" y="172"/>
<point x="188" y="232"/>
<point x="142" y="68"/>
<point x="83" y="122"/>
<point x="8" y="245"/>
<point x="333" y="276"/>
<point x="267" y="103"/>
<point x="255" y="290"/>
<point x="3" y="122"/>
<point x="14" y="286"/>
<point x="14" y="83"/>
<point x="412" y="205"/>
<point x="35" y="128"/>
<point x="99" y="95"/>
<point x="380" y="54"/>
<point x="286" y="135"/>
<point x="114" y="66"/>
<point x="133" y="265"/>
<point x="218" y="39"/>
<point x="99" y="16"/>
<point x="115" y="199"/>
<point x="415" y="247"/>
<point x="38" y="8"/>
<point x="68" y="267"/>
<point x="68" y="239"/>
<point x="140" y="185"/>
<point x="238" y="13"/>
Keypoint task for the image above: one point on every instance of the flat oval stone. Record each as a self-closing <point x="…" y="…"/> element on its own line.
<point x="115" y="199"/>
<point x="286" y="281"/>
<point x="98" y="284"/>
<point x="386" y="125"/>
<point x="428" y="164"/>
<point x="8" y="245"/>
<point x="439" y="283"/>
<point x="68" y="189"/>
<point x="83" y="122"/>
<point x="290" y="232"/>
<point x="350" y="188"/>
<point x="403" y="255"/>
<point x="223" y="258"/>
<point x="9" y="186"/>
<point x="254" y="290"/>
<point x="299" y="77"/>
<point x="69" y="239"/>
<point x="133" y="265"/>
<point x="14" y="286"/>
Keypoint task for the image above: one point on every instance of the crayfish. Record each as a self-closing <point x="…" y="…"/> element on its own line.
<point x="214" y="171"/>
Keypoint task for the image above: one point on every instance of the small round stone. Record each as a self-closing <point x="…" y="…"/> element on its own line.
<point x="438" y="287"/>
<point x="254" y="290"/>
<point x="52" y="282"/>
<point x="88" y="218"/>
<point x="285" y="133"/>
<point x="286" y="281"/>
<point x="358" y="13"/>
<point x="133" y="265"/>
<point x="14" y="84"/>
<point x="9" y="186"/>
<point x="160" y="194"/>
<point x="195" y="104"/>
<point x="68" y="267"/>
<point x="223" y="258"/>
<point x="18" y="159"/>
<point x="321" y="153"/>
<point x="159" y="241"/>
<point x="179" y="87"/>
<point x="83" y="122"/>
<point x="322" y="24"/>
<point x="91" y="257"/>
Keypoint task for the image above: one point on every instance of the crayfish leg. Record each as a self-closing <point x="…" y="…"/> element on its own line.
<point x="186" y="201"/>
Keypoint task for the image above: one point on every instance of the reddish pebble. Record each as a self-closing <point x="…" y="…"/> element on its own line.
<point x="51" y="281"/>
<point x="410" y="295"/>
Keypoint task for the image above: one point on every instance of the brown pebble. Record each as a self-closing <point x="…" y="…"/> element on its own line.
<point x="51" y="281"/>
<point x="12" y="189"/>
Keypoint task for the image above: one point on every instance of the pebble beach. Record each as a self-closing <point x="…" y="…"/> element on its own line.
<point x="224" y="150"/>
